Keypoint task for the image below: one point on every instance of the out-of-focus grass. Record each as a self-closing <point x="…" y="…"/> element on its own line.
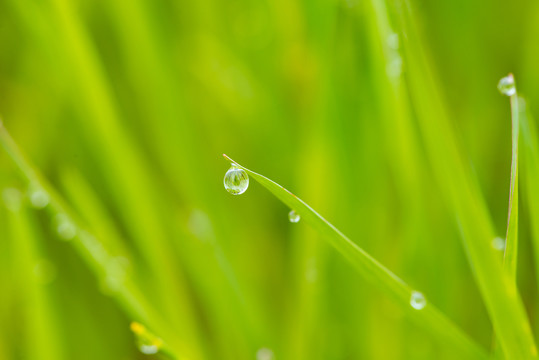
<point x="126" y="106"/>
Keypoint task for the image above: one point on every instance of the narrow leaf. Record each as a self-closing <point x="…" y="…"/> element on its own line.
<point x="530" y="154"/>
<point x="511" y="238"/>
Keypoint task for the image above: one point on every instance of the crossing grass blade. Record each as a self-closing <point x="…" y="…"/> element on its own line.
<point x="430" y="317"/>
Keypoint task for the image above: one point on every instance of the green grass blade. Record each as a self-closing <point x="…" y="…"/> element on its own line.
<point x="511" y="238"/>
<point x="530" y="154"/>
<point x="464" y="196"/>
<point x="429" y="317"/>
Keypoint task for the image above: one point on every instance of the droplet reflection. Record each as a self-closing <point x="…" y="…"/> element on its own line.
<point x="417" y="300"/>
<point x="506" y="85"/>
<point x="293" y="216"/>
<point x="236" y="180"/>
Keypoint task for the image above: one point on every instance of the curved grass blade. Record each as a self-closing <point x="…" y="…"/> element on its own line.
<point x="429" y="317"/>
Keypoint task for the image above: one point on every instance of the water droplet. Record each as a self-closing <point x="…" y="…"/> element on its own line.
<point x="506" y="85"/>
<point x="148" y="349"/>
<point x="236" y="180"/>
<point x="39" y="198"/>
<point x="147" y="342"/>
<point x="115" y="273"/>
<point x="393" y="41"/>
<point x="417" y="300"/>
<point x="65" y="227"/>
<point x="264" y="354"/>
<point x="498" y="243"/>
<point x="44" y="271"/>
<point x="293" y="216"/>
<point x="394" y="66"/>
<point x="94" y="247"/>
<point x="12" y="199"/>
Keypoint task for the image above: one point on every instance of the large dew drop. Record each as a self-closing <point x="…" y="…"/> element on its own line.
<point x="293" y="216"/>
<point x="236" y="180"/>
<point x="506" y="85"/>
<point x="417" y="300"/>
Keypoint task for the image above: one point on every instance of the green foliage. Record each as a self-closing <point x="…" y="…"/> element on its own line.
<point x="116" y="235"/>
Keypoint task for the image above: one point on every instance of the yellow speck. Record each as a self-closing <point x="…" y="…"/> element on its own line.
<point x="137" y="328"/>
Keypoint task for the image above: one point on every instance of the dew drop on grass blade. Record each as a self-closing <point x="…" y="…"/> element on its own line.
<point x="430" y="318"/>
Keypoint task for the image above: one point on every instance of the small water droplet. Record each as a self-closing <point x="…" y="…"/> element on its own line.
<point x="94" y="247"/>
<point x="417" y="300"/>
<point x="115" y="273"/>
<point x="148" y="349"/>
<point x="293" y="216"/>
<point x="394" y="66"/>
<point x="264" y="354"/>
<point x="392" y="41"/>
<point x="65" y="227"/>
<point x="498" y="243"/>
<point x="236" y="180"/>
<point x="147" y="342"/>
<point x="506" y="85"/>
<point x="39" y="198"/>
<point x="12" y="199"/>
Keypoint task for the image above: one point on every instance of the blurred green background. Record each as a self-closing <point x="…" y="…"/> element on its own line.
<point x="125" y="107"/>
